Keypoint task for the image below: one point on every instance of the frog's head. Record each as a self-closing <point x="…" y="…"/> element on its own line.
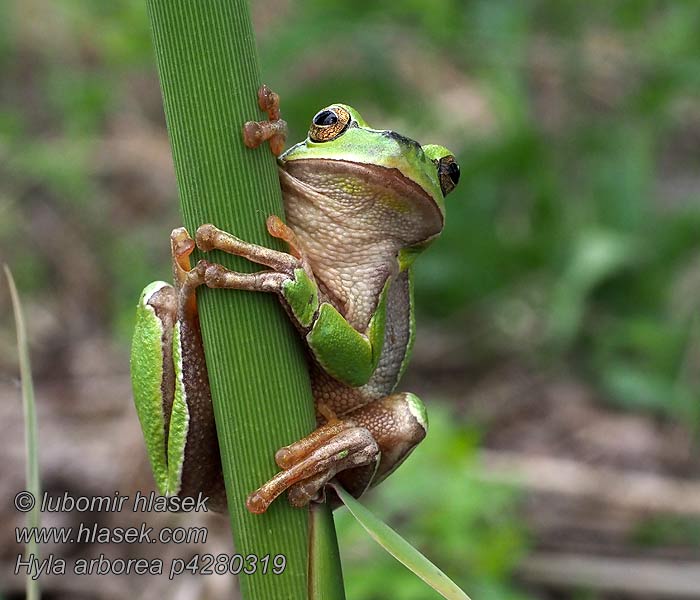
<point x="367" y="178"/>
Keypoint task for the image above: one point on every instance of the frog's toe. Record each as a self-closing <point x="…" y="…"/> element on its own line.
<point x="256" y="133"/>
<point x="309" y="490"/>
<point x="356" y="478"/>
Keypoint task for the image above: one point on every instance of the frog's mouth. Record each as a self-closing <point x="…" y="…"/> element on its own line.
<point x="362" y="195"/>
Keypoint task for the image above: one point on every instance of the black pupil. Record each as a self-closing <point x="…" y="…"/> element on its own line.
<point x="325" y="117"/>
<point x="453" y="172"/>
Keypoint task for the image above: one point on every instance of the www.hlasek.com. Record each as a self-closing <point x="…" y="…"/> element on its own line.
<point x="92" y="533"/>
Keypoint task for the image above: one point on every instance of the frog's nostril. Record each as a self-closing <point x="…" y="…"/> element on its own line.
<point x="325" y="117"/>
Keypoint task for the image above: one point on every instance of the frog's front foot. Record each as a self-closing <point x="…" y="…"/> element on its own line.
<point x="274" y="129"/>
<point x="309" y="464"/>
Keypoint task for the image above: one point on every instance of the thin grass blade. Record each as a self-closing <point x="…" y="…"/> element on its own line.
<point x="400" y="549"/>
<point x="30" y="434"/>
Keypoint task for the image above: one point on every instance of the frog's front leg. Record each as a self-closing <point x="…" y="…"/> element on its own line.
<point x="210" y="238"/>
<point x="291" y="276"/>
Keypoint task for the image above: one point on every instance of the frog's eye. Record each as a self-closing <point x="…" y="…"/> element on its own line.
<point x="448" y="173"/>
<point x="329" y="123"/>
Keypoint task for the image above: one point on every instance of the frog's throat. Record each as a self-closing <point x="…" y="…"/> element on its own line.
<point x="353" y="239"/>
<point x="349" y="190"/>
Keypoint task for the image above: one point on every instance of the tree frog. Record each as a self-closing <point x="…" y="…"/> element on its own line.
<point x="361" y="204"/>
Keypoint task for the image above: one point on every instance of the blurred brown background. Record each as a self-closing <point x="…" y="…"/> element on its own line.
<point x="558" y="345"/>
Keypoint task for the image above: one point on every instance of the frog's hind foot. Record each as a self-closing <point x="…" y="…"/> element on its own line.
<point x="308" y="465"/>
<point x="274" y="129"/>
<point x="181" y="246"/>
<point x="359" y="449"/>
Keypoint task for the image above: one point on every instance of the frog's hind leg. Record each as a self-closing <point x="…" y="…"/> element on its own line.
<point x="153" y="375"/>
<point x="397" y="423"/>
<point x="330" y="449"/>
<point x="359" y="449"/>
<point x="192" y="433"/>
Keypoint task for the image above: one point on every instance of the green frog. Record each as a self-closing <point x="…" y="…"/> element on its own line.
<point x="361" y="205"/>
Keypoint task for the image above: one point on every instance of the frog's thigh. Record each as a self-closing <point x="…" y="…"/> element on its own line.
<point x="153" y="337"/>
<point x="153" y="374"/>
<point x="397" y="423"/>
<point x="175" y="412"/>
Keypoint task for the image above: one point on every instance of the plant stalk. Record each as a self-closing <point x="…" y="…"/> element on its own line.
<point x="209" y="74"/>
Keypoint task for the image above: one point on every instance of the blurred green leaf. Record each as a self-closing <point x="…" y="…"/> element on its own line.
<point x="596" y="256"/>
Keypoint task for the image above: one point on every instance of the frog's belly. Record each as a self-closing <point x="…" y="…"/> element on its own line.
<point x="342" y="398"/>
